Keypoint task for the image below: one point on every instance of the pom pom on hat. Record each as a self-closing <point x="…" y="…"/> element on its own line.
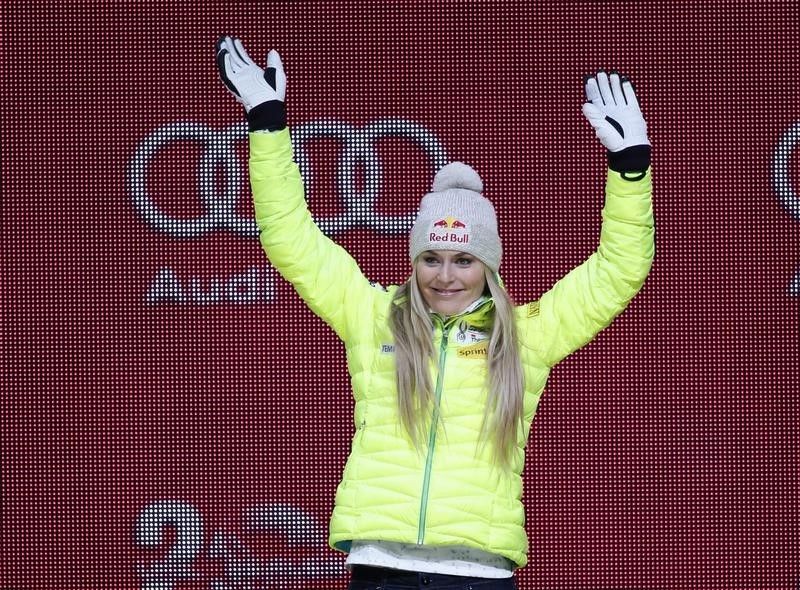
<point x="456" y="216"/>
<point x="457" y="175"/>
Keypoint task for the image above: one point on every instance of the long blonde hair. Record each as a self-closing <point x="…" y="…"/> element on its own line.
<point x="411" y="325"/>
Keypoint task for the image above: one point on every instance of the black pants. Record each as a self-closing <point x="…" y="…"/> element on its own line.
<point x="379" y="578"/>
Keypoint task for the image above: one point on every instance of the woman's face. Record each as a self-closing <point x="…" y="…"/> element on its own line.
<point x="449" y="280"/>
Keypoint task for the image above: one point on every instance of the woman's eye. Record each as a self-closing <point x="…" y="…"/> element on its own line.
<point x="464" y="261"/>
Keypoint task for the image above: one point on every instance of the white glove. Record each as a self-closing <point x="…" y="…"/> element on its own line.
<point x="613" y="111"/>
<point x="246" y="80"/>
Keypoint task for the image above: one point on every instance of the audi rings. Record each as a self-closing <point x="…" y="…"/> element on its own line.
<point x="219" y="200"/>
<point x="359" y="149"/>
<point x="219" y="208"/>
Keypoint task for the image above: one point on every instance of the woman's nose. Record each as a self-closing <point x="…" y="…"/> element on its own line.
<point x="445" y="273"/>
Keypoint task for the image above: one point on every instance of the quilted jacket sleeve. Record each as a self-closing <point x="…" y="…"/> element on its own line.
<point x="591" y="295"/>
<point x="322" y="272"/>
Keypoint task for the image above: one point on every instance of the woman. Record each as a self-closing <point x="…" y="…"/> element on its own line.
<point x="446" y="371"/>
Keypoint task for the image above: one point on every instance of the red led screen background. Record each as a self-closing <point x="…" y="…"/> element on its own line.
<point x="173" y="417"/>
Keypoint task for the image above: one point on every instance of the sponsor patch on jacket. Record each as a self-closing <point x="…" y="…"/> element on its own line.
<point x="533" y="309"/>
<point x="479" y="350"/>
<point x="387" y="348"/>
<point x="466" y="334"/>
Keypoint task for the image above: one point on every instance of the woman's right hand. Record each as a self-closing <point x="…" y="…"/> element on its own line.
<point x="262" y="93"/>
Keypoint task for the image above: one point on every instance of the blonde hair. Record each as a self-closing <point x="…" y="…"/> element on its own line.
<point x="412" y="328"/>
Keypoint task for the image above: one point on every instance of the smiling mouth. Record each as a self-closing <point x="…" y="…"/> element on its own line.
<point x="447" y="292"/>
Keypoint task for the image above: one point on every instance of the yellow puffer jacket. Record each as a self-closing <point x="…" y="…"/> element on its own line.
<point x="449" y="494"/>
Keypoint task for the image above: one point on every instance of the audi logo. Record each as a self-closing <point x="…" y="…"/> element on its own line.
<point x="219" y="162"/>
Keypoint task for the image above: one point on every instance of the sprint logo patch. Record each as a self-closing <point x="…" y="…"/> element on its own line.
<point x="479" y="350"/>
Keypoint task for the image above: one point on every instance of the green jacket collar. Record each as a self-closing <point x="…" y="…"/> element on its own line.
<point x="479" y="314"/>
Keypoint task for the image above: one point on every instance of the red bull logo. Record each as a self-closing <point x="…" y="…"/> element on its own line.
<point x="449" y="223"/>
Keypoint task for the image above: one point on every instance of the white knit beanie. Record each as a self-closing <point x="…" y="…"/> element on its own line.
<point x="456" y="216"/>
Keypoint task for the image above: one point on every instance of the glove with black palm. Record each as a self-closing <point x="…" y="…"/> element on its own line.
<point x="262" y="93"/>
<point x="613" y="110"/>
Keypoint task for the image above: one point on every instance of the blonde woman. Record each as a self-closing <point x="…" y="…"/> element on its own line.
<point x="446" y="370"/>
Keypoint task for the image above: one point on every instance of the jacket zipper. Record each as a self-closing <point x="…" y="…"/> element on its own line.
<point x="423" y="506"/>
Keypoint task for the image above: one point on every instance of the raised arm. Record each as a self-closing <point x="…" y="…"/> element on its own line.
<point x="591" y="295"/>
<point x="323" y="273"/>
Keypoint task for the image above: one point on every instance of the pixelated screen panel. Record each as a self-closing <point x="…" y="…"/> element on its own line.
<point x="174" y="417"/>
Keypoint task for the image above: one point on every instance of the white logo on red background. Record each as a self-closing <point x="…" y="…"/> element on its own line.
<point x="221" y="185"/>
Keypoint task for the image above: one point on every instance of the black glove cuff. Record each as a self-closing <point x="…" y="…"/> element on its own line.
<point x="633" y="159"/>
<point x="267" y="116"/>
